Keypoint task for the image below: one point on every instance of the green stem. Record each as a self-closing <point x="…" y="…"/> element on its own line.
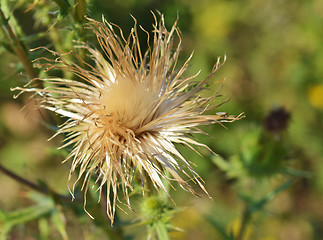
<point x="80" y="11"/>
<point x="244" y="223"/>
<point x="17" y="46"/>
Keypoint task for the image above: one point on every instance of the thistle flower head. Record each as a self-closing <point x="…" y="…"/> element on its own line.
<point x="124" y="118"/>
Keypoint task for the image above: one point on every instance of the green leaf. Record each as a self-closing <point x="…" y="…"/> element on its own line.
<point x="2" y="216"/>
<point x="43" y="207"/>
<point x="43" y="229"/>
<point x="221" y="163"/>
<point x="24" y="215"/>
<point x="58" y="220"/>
<point x="161" y="230"/>
<point x="232" y="167"/>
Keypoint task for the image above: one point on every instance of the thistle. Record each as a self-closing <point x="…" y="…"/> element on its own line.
<point x="128" y="112"/>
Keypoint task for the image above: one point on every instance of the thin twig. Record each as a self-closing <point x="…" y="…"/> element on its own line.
<point x="32" y="185"/>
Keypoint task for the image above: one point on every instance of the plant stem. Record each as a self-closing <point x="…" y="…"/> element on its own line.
<point x="79" y="18"/>
<point x="32" y="185"/>
<point x="244" y="223"/>
<point x="80" y="10"/>
<point x="17" y="46"/>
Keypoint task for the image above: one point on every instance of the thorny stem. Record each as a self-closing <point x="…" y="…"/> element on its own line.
<point x="17" y="46"/>
<point x="244" y="222"/>
<point x="32" y="185"/>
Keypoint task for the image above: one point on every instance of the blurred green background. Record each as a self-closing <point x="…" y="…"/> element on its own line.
<point x="274" y="53"/>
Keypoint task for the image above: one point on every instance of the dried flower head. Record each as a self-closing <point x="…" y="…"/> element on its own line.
<point x="125" y="117"/>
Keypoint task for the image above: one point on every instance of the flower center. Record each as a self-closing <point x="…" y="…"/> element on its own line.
<point x="127" y="104"/>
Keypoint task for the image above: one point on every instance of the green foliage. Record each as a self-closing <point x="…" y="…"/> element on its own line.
<point x="274" y="58"/>
<point x="43" y="209"/>
<point x="156" y="214"/>
<point x="260" y="155"/>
